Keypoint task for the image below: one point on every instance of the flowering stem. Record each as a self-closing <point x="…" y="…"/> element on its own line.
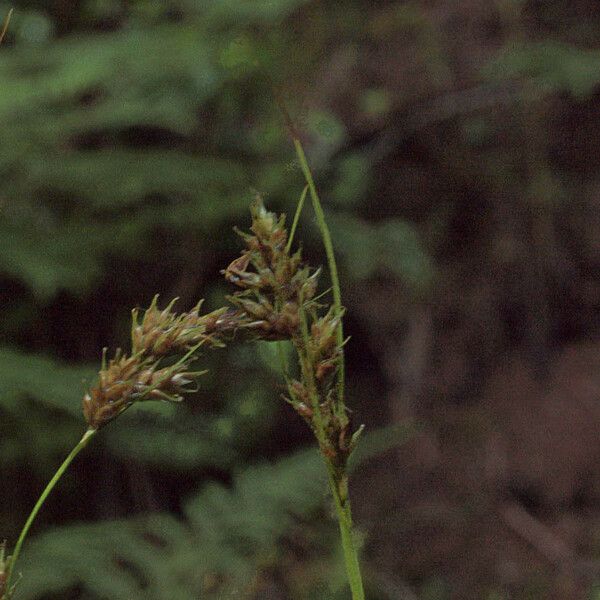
<point x="331" y="263"/>
<point x="338" y="481"/>
<point x="38" y="505"/>
<point x="338" y="478"/>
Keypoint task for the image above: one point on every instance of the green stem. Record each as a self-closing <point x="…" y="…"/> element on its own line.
<point x="288" y="246"/>
<point x="344" y="517"/>
<point x="338" y="483"/>
<point x="342" y="502"/>
<point x="331" y="262"/>
<point x="80" y="446"/>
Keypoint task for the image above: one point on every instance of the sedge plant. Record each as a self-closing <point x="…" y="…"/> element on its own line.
<point x="276" y="300"/>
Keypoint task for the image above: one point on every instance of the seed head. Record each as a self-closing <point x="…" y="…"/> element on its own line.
<point x="129" y="379"/>
<point x="163" y="332"/>
<point x="276" y="301"/>
<point x="274" y="283"/>
<point x="324" y="347"/>
<point x="114" y="391"/>
<point x="159" y="334"/>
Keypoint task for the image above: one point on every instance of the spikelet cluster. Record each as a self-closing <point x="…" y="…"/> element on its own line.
<point x="160" y="334"/>
<point x="314" y="394"/>
<point x="163" y="332"/>
<point x="277" y="302"/>
<point x="275" y="283"/>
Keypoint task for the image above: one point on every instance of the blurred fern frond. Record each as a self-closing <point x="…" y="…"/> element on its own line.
<point x="48" y="381"/>
<point x="215" y="550"/>
<point x="227" y="535"/>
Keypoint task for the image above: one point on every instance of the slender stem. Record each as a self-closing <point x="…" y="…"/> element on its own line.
<point x="344" y="517"/>
<point x="288" y="246"/>
<point x="333" y="270"/>
<point x="5" y="26"/>
<point x="337" y="481"/>
<point x="80" y="446"/>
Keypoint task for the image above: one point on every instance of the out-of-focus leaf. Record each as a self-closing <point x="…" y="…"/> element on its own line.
<point x="391" y="247"/>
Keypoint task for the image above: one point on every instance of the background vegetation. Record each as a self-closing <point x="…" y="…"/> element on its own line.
<point x="456" y="147"/>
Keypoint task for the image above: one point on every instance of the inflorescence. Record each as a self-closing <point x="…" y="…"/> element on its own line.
<point x="160" y="335"/>
<point x="277" y="302"/>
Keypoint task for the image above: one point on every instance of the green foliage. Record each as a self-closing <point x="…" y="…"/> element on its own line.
<point x="51" y="383"/>
<point x="45" y="395"/>
<point x="122" y="164"/>
<point x="392" y="247"/>
<point x="179" y="442"/>
<point x="133" y="135"/>
<point x="109" y="139"/>
<point x="187" y="437"/>
<point x="68" y="201"/>
<point x="183" y="437"/>
<point x="551" y="65"/>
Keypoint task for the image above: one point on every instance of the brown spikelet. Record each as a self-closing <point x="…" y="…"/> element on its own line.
<point x="113" y="392"/>
<point x="276" y="301"/>
<point x="164" y="333"/>
<point x="274" y="282"/>
<point x="130" y="379"/>
<point x="159" y="334"/>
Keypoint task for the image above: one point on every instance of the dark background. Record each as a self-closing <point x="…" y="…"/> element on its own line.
<point x="456" y="148"/>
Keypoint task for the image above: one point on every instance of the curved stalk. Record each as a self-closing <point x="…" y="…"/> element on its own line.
<point x="38" y="505"/>
<point x="299" y="208"/>
<point x="338" y="480"/>
<point x="331" y="262"/>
